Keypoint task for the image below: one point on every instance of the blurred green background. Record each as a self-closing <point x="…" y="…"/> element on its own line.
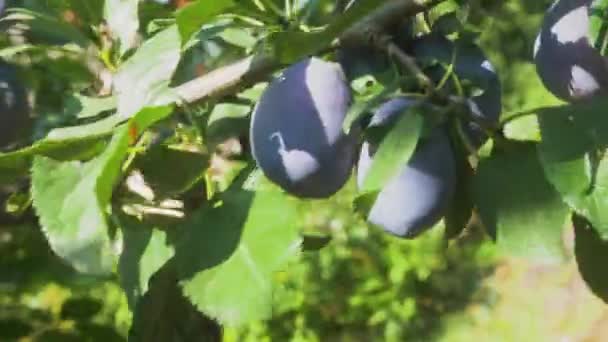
<point x="364" y="285"/>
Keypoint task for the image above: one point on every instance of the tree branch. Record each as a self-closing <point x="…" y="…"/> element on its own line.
<point x="241" y="74"/>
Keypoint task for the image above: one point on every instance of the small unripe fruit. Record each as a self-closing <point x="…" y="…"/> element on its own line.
<point x="415" y="199"/>
<point x="566" y="61"/>
<point x="296" y="133"/>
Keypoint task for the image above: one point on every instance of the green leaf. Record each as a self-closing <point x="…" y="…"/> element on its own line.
<point x="292" y="46"/>
<point x="227" y="120"/>
<point x="71" y="199"/>
<point x="164" y="314"/>
<point x="525" y="128"/>
<point x="238" y="37"/>
<point x="518" y="206"/>
<point x="571" y="152"/>
<point x="145" y="251"/>
<point x="591" y="255"/>
<point x="47" y="27"/>
<point x="243" y="239"/>
<point x="597" y="22"/>
<point x="67" y="143"/>
<point x="102" y="127"/>
<point x="143" y="78"/>
<point x="123" y="22"/>
<point x="395" y="150"/>
<point x="17" y="164"/>
<point x="87" y="107"/>
<point x="447" y="24"/>
<point x="191" y="17"/>
<point x="366" y="99"/>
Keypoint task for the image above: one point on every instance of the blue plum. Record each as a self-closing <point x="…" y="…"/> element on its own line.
<point x="14" y="108"/>
<point x="472" y="65"/>
<point x="566" y="61"/>
<point x="416" y="199"/>
<point x="296" y="130"/>
<point x="358" y="61"/>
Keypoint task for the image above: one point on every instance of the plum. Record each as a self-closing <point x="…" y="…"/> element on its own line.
<point x="14" y="109"/>
<point x="415" y="199"/>
<point x="296" y="130"/>
<point x="566" y="61"/>
<point x="472" y="65"/>
<point x="358" y="61"/>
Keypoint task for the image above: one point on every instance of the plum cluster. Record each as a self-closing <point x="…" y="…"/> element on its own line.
<point x="298" y="140"/>
<point x="566" y="61"/>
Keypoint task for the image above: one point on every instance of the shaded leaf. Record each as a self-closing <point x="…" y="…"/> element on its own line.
<point x="80" y="308"/>
<point x="171" y="181"/>
<point x="460" y="210"/>
<point x="572" y="155"/>
<point x="518" y="206"/>
<point x="591" y="254"/>
<point x="47" y="27"/>
<point x="145" y="251"/>
<point x="164" y="314"/>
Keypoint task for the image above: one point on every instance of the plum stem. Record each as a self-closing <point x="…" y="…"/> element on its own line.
<point x="432" y="91"/>
<point x="410" y="64"/>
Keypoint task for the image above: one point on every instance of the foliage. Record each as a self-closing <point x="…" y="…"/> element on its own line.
<point x="138" y="171"/>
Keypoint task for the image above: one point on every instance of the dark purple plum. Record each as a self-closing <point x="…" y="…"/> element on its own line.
<point x="296" y="130"/>
<point x="470" y="64"/>
<point x="358" y="61"/>
<point x="566" y="61"/>
<point x="14" y="109"/>
<point x="416" y="199"/>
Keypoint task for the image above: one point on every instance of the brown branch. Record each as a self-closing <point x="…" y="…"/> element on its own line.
<point x="234" y="77"/>
<point x="228" y="79"/>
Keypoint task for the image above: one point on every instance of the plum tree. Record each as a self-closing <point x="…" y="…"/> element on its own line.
<point x="470" y="64"/>
<point x="567" y="63"/>
<point x="14" y="109"/>
<point x="296" y="135"/>
<point x="418" y="196"/>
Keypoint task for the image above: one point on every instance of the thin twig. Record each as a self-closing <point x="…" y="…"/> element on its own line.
<point x="410" y="64"/>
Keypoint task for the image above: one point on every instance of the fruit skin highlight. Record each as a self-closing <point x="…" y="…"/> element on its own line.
<point x="416" y="199"/>
<point x="296" y="130"/>
<point x="566" y="61"/>
<point x="14" y="107"/>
